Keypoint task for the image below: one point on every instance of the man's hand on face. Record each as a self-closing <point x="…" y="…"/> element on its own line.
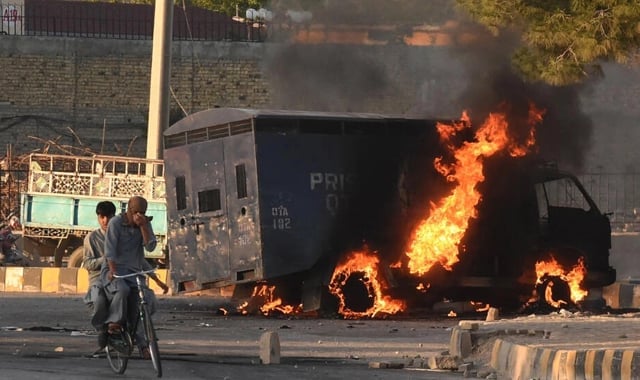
<point x="140" y="219"/>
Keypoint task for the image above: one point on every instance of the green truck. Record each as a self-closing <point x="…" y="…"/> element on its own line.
<point x="58" y="205"/>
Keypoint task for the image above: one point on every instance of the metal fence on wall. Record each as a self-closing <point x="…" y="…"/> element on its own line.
<point x="617" y="195"/>
<point x="120" y="21"/>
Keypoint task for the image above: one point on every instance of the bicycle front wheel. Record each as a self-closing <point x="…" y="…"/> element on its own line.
<point x="118" y="350"/>
<point x="150" y="332"/>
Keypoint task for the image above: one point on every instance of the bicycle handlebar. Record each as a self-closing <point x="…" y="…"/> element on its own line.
<point x="134" y="274"/>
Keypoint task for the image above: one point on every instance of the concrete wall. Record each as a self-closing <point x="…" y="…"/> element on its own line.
<point x="625" y="250"/>
<point x="613" y="103"/>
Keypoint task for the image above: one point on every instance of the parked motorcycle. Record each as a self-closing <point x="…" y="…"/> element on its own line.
<point x="10" y="254"/>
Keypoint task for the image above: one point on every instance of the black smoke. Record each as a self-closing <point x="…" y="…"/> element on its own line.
<point x="326" y="78"/>
<point x="493" y="85"/>
<point x="436" y="81"/>
<point x="346" y="77"/>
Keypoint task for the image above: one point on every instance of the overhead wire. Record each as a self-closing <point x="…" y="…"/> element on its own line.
<point x="193" y="54"/>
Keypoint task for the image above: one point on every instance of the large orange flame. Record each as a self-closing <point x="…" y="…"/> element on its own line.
<point x="365" y="263"/>
<point x="573" y="278"/>
<point x="436" y="239"/>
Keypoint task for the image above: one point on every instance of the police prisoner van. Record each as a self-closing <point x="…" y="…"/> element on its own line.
<point x="277" y="195"/>
<point x="259" y="194"/>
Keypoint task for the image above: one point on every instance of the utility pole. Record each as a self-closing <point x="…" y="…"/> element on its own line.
<point x="160" y="74"/>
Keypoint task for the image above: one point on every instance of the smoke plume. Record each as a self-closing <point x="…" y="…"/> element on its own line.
<point x="494" y="86"/>
<point x="436" y="81"/>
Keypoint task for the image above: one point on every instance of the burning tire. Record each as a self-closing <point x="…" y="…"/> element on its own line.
<point x="554" y="292"/>
<point x="360" y="288"/>
<point x="357" y="293"/>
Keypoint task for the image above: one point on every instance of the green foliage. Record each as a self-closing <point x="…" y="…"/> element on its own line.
<point x="563" y="40"/>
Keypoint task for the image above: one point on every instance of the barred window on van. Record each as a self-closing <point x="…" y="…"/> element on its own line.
<point x="209" y="200"/>
<point x="241" y="181"/>
<point x="181" y="193"/>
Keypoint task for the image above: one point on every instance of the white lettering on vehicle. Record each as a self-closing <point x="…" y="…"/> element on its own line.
<point x="281" y="218"/>
<point x="335" y="185"/>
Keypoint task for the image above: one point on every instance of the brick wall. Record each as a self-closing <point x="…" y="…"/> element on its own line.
<point x="70" y="91"/>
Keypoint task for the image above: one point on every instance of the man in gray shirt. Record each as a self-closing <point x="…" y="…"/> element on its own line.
<point x="92" y="262"/>
<point x="128" y="236"/>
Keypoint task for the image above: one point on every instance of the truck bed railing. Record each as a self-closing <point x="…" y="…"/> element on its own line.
<point x="96" y="176"/>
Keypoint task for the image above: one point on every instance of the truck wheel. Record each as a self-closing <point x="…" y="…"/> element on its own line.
<point x="75" y="260"/>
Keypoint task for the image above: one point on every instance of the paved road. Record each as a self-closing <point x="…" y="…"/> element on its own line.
<point x="48" y="337"/>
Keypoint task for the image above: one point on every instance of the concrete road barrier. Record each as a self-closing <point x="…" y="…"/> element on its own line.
<point x="622" y="295"/>
<point x="54" y="280"/>
<point x="524" y="362"/>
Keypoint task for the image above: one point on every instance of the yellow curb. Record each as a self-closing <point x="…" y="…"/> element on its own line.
<point x="589" y="365"/>
<point x="626" y="365"/>
<point x="50" y="280"/>
<point x="523" y="362"/>
<point x="58" y="280"/>
<point x="83" y="281"/>
<point x="13" y="279"/>
<point x="162" y="275"/>
<point x="607" y="361"/>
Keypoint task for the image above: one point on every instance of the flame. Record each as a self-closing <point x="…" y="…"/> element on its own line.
<point x="436" y="239"/>
<point x="265" y="294"/>
<point x="367" y="264"/>
<point x="242" y="308"/>
<point x="452" y="314"/>
<point x="573" y="278"/>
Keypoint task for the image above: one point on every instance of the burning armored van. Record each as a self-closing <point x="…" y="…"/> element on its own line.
<point x="282" y="196"/>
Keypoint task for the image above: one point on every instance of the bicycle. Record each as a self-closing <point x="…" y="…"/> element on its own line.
<point x="120" y="346"/>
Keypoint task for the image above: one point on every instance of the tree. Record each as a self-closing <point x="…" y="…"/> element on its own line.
<point x="563" y="40"/>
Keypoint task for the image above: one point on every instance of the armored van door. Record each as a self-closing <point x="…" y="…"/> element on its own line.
<point x="199" y="241"/>
<point x="242" y="206"/>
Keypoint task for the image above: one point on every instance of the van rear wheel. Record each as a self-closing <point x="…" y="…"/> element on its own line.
<point x="75" y="260"/>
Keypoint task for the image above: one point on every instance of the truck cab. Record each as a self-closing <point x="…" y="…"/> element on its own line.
<point x="531" y="211"/>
